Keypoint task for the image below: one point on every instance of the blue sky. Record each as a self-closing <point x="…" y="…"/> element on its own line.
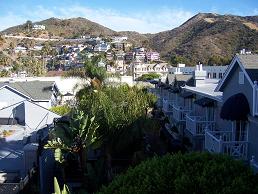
<point x="136" y="15"/>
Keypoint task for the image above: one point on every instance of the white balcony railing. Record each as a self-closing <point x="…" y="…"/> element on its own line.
<point x="167" y="107"/>
<point x="221" y="142"/>
<point x="196" y="125"/>
<point x="179" y="113"/>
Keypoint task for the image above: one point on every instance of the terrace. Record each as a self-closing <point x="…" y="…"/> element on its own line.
<point x="223" y="142"/>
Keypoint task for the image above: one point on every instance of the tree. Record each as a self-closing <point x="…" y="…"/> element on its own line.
<point x="190" y="173"/>
<point x="148" y="77"/>
<point x="120" y="112"/>
<point x="91" y="71"/>
<point x="75" y="137"/>
<point x="28" y="25"/>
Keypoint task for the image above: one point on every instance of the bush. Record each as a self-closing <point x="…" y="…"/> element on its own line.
<point x="149" y="76"/>
<point x="61" y="110"/>
<point x="200" y="173"/>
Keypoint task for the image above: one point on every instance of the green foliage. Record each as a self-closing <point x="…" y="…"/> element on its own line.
<point x="57" y="188"/>
<point x="149" y="76"/>
<point x="184" y="174"/>
<point x="115" y="107"/>
<point x="74" y="137"/>
<point x="31" y="65"/>
<point x="218" y="60"/>
<point x="4" y="73"/>
<point x="176" y="59"/>
<point x="120" y="112"/>
<point x="90" y="70"/>
<point x="61" y="110"/>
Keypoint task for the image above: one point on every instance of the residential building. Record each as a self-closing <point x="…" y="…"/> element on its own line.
<point x="24" y="127"/>
<point x="213" y="72"/>
<point x="129" y="56"/>
<point x="216" y="115"/>
<point x="101" y="47"/>
<point x="119" y="39"/>
<point x="38" y="27"/>
<point x="138" y="68"/>
<point x="43" y="93"/>
<point x="20" y="49"/>
<point x="152" y="56"/>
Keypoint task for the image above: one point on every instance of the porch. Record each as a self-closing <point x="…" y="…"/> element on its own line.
<point x="179" y="113"/>
<point x="196" y="125"/>
<point x="223" y="142"/>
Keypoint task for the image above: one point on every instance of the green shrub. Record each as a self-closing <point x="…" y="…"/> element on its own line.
<point x="149" y="76"/>
<point x="200" y="173"/>
<point x="61" y="110"/>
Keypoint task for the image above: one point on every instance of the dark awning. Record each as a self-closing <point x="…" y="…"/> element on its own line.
<point x="204" y="102"/>
<point x="187" y="95"/>
<point x="235" y="108"/>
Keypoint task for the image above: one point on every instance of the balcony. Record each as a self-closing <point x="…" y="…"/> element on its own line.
<point x="179" y="113"/>
<point x="167" y="107"/>
<point x="196" y="125"/>
<point x="222" y="142"/>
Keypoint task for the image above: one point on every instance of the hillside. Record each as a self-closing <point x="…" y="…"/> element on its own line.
<point x="67" y="28"/>
<point x="207" y="35"/>
<point x="200" y="38"/>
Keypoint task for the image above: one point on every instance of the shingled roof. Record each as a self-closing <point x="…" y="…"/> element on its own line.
<point x="36" y="90"/>
<point x="250" y="63"/>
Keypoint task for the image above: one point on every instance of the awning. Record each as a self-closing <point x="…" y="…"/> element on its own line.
<point x="187" y="95"/>
<point x="204" y="102"/>
<point x="235" y="108"/>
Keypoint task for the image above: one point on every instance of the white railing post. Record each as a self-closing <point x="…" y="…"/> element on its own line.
<point x="220" y="144"/>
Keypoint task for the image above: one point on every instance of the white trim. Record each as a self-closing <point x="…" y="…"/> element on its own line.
<point x="232" y="64"/>
<point x="204" y="94"/>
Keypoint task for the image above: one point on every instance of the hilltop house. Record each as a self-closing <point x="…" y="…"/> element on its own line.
<point x="44" y="93"/>
<point x="217" y="115"/>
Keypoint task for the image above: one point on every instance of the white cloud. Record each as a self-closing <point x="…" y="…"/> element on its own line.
<point x="144" y="22"/>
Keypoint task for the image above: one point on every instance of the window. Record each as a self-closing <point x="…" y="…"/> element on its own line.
<point x="241" y="79"/>
<point x="214" y="75"/>
<point x="209" y="75"/>
<point x="220" y="75"/>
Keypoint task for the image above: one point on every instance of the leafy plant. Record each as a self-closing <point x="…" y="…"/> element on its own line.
<point x="58" y="190"/>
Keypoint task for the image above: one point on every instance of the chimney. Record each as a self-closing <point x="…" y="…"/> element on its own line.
<point x="199" y="75"/>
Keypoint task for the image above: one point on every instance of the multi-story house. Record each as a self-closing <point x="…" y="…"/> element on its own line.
<point x="138" y="68"/>
<point x="218" y="115"/>
<point x="24" y="128"/>
<point x="213" y="72"/>
<point x="152" y="56"/>
<point x="101" y="47"/>
<point x="43" y="93"/>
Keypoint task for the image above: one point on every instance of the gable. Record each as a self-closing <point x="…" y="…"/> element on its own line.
<point x="230" y="72"/>
<point x="9" y="96"/>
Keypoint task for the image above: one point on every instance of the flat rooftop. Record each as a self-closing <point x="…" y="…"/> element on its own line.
<point x="206" y="89"/>
<point x="12" y="142"/>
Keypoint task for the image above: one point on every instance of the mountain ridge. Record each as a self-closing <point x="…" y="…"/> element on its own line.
<point x="201" y="37"/>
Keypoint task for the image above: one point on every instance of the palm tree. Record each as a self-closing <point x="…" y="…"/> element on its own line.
<point x="91" y="71"/>
<point x="75" y="137"/>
